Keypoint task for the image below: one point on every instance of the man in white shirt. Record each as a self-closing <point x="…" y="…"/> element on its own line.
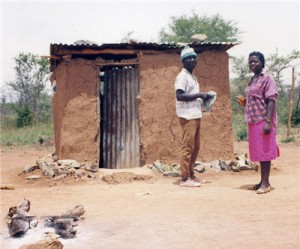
<point x="188" y="109"/>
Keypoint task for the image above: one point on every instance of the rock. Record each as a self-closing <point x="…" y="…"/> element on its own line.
<point x="198" y="38"/>
<point x="28" y="168"/>
<point x="24" y="205"/>
<point x="54" y="157"/>
<point x="235" y="167"/>
<point x="216" y="166"/>
<point x="60" y="177"/>
<point x="33" y="177"/>
<point x="47" y="243"/>
<point x="224" y="165"/>
<point x="75" y="212"/>
<point x="158" y="165"/>
<point x="33" y="223"/>
<point x="92" y="168"/>
<point x="171" y="173"/>
<point x="19" y="223"/>
<point x="199" y="168"/>
<point x="17" y="226"/>
<point x="69" y="162"/>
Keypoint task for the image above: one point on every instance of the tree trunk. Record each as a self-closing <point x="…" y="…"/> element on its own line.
<point x="291" y="104"/>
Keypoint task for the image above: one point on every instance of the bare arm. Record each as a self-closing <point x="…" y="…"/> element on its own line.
<point x="270" y="111"/>
<point x="182" y="96"/>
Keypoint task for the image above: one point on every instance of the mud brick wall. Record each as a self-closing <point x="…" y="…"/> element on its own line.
<point x="75" y="111"/>
<point x="159" y="127"/>
<point x="76" y="108"/>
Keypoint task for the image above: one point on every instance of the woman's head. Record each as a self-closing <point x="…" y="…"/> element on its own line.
<point x="260" y="56"/>
<point x="256" y="62"/>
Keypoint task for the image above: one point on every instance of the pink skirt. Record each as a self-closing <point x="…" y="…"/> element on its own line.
<point x="262" y="147"/>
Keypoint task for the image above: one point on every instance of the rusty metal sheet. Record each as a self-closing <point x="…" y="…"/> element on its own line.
<point x="120" y="136"/>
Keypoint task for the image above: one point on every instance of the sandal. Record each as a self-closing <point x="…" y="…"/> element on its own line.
<point x="263" y="190"/>
<point x="254" y="187"/>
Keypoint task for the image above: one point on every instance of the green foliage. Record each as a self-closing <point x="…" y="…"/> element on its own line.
<point x="288" y="140"/>
<point x="44" y="109"/>
<point x="296" y="117"/>
<point x="27" y="89"/>
<point x="180" y="29"/>
<point x="239" y="83"/>
<point x="24" y="117"/>
<point x="276" y="63"/>
<point x="25" y="135"/>
<point x="240" y="129"/>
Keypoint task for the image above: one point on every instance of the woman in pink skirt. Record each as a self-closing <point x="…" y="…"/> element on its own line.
<point x="260" y="115"/>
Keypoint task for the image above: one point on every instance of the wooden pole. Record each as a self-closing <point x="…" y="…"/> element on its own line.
<point x="291" y="103"/>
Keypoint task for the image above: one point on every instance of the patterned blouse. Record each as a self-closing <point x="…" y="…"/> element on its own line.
<point x="257" y="94"/>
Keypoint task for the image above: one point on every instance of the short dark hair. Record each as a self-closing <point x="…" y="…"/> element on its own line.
<point x="260" y="56"/>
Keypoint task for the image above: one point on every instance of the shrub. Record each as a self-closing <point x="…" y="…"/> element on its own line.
<point x="24" y="117"/>
<point x="288" y="140"/>
<point x="240" y="129"/>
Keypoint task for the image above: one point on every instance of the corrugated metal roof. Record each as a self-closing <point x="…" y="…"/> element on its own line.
<point x="86" y="48"/>
<point x="145" y="45"/>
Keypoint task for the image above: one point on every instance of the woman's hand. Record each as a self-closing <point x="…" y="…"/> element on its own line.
<point x="267" y="128"/>
<point x="241" y="100"/>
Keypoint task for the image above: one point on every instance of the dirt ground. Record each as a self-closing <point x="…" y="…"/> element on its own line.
<point x="219" y="214"/>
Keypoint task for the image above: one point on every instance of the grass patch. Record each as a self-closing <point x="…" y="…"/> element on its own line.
<point x="10" y="136"/>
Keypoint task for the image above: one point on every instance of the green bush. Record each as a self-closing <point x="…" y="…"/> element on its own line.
<point x="24" y="117"/>
<point x="288" y="140"/>
<point x="295" y="117"/>
<point x="240" y="129"/>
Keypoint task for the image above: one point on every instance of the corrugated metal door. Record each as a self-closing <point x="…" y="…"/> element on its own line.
<point x="120" y="137"/>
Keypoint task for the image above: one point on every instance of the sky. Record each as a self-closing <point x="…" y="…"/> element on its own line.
<point x="30" y="27"/>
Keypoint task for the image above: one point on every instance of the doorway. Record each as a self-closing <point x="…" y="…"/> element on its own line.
<point x="119" y="121"/>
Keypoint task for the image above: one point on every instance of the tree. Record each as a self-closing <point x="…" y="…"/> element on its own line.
<point x="28" y="87"/>
<point x="276" y="64"/>
<point x="238" y="84"/>
<point x="180" y="29"/>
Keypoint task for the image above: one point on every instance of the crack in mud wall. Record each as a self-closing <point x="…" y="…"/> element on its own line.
<point x="159" y="127"/>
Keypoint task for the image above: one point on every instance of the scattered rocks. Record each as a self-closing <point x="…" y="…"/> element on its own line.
<point x="240" y="163"/>
<point x="172" y="170"/>
<point x="51" y="167"/>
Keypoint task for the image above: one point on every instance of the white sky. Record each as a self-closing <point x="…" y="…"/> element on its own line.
<point x="28" y="26"/>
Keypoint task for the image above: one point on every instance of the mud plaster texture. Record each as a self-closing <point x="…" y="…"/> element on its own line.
<point x="159" y="127"/>
<point x="76" y="112"/>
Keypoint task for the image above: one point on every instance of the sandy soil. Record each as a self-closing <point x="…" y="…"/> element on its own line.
<point x="220" y="214"/>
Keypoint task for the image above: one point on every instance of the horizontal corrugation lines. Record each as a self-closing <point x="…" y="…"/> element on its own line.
<point x="145" y="45"/>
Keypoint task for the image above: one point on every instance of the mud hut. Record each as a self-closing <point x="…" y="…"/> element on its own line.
<point x="114" y="104"/>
